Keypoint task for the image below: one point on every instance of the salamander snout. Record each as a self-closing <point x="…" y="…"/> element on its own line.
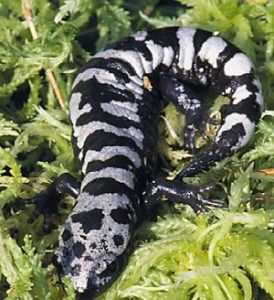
<point x="96" y="280"/>
<point x="91" y="274"/>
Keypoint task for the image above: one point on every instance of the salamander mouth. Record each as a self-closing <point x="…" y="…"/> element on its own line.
<point x="100" y="281"/>
<point x="87" y="295"/>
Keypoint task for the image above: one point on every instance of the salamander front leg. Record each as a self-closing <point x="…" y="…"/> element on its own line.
<point x="46" y="202"/>
<point x="180" y="192"/>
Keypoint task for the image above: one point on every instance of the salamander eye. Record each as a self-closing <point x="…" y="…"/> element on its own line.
<point x="114" y="267"/>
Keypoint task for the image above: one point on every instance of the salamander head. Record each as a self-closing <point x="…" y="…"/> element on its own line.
<point x="90" y="266"/>
<point x="93" y="246"/>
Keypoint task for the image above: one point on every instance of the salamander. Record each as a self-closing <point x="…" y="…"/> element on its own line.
<point x="114" y="110"/>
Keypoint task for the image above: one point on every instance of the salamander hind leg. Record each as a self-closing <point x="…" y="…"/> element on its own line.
<point x="188" y="103"/>
<point x="237" y="127"/>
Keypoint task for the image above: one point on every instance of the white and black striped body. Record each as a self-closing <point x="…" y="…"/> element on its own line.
<point x="114" y="118"/>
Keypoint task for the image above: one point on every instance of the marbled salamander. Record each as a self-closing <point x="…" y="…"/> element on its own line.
<point x="114" y="110"/>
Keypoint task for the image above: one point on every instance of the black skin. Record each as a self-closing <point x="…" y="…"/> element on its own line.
<point x="197" y="118"/>
<point x="179" y="192"/>
<point x="176" y="191"/>
<point x="47" y="201"/>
